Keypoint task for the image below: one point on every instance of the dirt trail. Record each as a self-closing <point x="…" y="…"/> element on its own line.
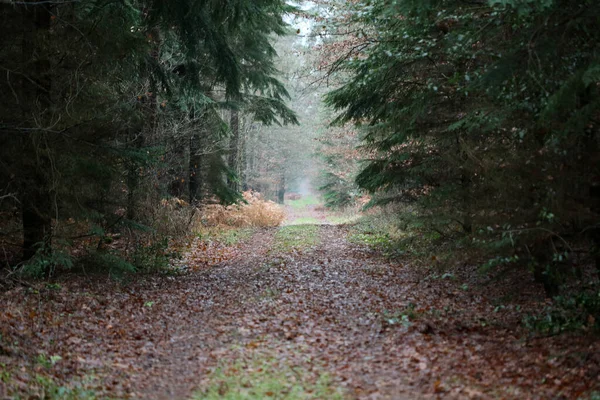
<point x="316" y="308"/>
<point x="377" y="329"/>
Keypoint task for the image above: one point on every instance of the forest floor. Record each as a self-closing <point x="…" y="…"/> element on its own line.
<point x="295" y="312"/>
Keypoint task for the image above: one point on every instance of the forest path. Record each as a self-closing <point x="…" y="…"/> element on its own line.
<point x="309" y="209"/>
<point x="305" y="313"/>
<point x="296" y="312"/>
<point x="303" y="303"/>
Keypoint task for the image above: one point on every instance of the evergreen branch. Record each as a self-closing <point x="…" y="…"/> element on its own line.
<point x="38" y="3"/>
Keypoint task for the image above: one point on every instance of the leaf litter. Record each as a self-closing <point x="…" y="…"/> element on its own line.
<point x="374" y="328"/>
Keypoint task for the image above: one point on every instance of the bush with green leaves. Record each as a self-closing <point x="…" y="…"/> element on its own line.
<point x="575" y="312"/>
<point x="45" y="263"/>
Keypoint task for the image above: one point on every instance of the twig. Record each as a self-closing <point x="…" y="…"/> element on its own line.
<point x="10" y="195"/>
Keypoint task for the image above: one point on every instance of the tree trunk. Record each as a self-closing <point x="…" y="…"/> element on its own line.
<point x="149" y="104"/>
<point x="465" y="184"/>
<point x="234" y="150"/>
<point x="242" y="161"/>
<point x="195" y="165"/>
<point x="133" y="179"/>
<point x="35" y="196"/>
<point x="544" y="270"/>
<point x="281" y="191"/>
<point x="595" y="232"/>
<point x="36" y="207"/>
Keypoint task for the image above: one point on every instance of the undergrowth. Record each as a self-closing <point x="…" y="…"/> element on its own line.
<point x="254" y="212"/>
<point x="132" y="248"/>
<point x="343" y="218"/>
<point x="381" y="233"/>
<point x="402" y="234"/>
<point x="571" y="312"/>
<point x="44" y="386"/>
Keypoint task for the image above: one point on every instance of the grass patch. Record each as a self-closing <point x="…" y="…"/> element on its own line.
<point x="48" y="389"/>
<point x="303" y="202"/>
<point x="394" y="234"/>
<point x="379" y="233"/>
<point x="305" y="221"/>
<point x="296" y="237"/>
<point x="270" y="294"/>
<point x="267" y="378"/>
<point x="341" y="219"/>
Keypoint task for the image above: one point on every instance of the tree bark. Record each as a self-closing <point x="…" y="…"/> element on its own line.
<point x="234" y="150"/>
<point x="195" y="162"/>
<point x="242" y="160"/>
<point x="36" y="206"/>
<point x="149" y="104"/>
<point x="35" y="196"/>
<point x="133" y="179"/>
<point x="281" y="191"/>
<point x="195" y="168"/>
<point x="465" y="184"/>
<point x="595" y="232"/>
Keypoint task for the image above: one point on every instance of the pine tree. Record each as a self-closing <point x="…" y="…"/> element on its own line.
<point x="485" y="116"/>
<point x="86" y="111"/>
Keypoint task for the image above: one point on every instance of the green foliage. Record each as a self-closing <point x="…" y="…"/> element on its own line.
<point x="152" y="257"/>
<point x="338" y="154"/>
<point x="381" y="233"/>
<point x="480" y="117"/>
<point x="379" y="241"/>
<point x="106" y="143"/>
<point x="592" y="396"/>
<point x="107" y="263"/>
<point x="46" y="262"/>
<point x="305" y="221"/>
<point x="336" y="191"/>
<point x="576" y="312"/>
<point x="346" y="217"/>
<point x="403" y="317"/>
<point x="47" y="389"/>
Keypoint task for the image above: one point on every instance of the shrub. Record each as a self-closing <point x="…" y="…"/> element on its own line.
<point x="152" y="257"/>
<point x="174" y="217"/>
<point x="254" y="212"/>
<point x="102" y="262"/>
<point x="580" y="311"/>
<point x="46" y="262"/>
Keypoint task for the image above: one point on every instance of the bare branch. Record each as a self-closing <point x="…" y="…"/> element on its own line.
<point x="10" y="196"/>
